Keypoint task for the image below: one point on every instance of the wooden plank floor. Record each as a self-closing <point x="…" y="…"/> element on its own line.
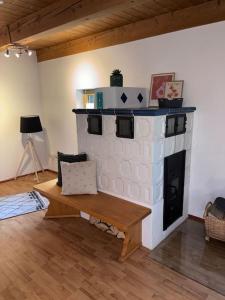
<point x="72" y="260"/>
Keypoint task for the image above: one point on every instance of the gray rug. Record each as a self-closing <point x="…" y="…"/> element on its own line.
<point x="20" y="204"/>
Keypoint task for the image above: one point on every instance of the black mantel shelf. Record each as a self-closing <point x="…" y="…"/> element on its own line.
<point x="151" y="111"/>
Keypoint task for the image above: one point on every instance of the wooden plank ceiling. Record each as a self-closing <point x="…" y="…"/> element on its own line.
<point x="122" y="17"/>
<point x="49" y="25"/>
<point x="13" y="10"/>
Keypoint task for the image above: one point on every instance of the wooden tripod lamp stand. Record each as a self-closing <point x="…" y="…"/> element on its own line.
<point x="29" y="125"/>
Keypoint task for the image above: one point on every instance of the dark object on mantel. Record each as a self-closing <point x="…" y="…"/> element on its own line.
<point x="116" y="78"/>
<point x="174" y="103"/>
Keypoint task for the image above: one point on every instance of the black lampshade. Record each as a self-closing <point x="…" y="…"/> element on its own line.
<point x="30" y="124"/>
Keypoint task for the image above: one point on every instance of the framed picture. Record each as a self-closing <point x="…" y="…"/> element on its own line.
<point x="158" y="84"/>
<point x="174" y="89"/>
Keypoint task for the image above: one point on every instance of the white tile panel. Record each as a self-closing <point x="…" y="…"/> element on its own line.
<point x="169" y="146"/>
<point x="81" y="123"/>
<point x="153" y="226"/>
<point x="118" y="147"/>
<point x="157" y="151"/>
<point x="189" y="124"/>
<point x="133" y="190"/>
<point x="142" y="128"/>
<point x="188" y="140"/>
<point x="143" y="173"/>
<point x="179" y="143"/>
<point x="156" y="193"/>
<point x="109" y="125"/>
<point x="186" y="196"/>
<point x="104" y="181"/>
<point x="188" y="158"/>
<point x="145" y="194"/>
<point x="126" y="169"/>
<point x="146" y="151"/>
<point x="159" y="127"/>
<point x="118" y="185"/>
<point x="132" y="149"/>
<point x="149" y="127"/>
<point x="187" y="176"/>
<point x="157" y="172"/>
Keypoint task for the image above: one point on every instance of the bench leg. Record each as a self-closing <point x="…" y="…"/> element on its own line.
<point x="131" y="242"/>
<point x="60" y="210"/>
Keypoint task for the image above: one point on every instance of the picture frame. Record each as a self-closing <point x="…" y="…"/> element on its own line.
<point x="158" y="84"/>
<point x="174" y="89"/>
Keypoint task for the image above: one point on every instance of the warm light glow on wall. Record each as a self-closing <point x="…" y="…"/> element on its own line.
<point x="86" y="76"/>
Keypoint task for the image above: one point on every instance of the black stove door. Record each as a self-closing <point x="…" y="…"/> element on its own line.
<point x="174" y="171"/>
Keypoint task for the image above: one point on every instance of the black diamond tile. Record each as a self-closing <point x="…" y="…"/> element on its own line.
<point x="140" y="97"/>
<point x="123" y="98"/>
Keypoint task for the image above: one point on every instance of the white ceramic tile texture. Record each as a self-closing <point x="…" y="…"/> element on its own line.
<point x="133" y="168"/>
<point x="169" y="146"/>
<point x="179" y="143"/>
<point x="188" y="140"/>
<point x="189" y="124"/>
<point x="188" y="158"/>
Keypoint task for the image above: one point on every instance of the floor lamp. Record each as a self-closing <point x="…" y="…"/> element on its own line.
<point x="29" y="125"/>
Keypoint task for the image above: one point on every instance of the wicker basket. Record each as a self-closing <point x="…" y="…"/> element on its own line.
<point x="215" y="228"/>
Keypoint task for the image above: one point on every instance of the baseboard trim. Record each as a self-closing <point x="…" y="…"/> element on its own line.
<point x="24" y="175"/>
<point x="145" y="249"/>
<point x="195" y="218"/>
<point x="49" y="170"/>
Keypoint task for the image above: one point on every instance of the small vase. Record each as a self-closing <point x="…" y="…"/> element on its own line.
<point x="116" y="80"/>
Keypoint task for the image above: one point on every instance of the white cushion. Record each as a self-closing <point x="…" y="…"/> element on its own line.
<point x="79" y="178"/>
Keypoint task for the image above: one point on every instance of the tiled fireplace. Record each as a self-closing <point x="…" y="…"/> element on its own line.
<point x="132" y="149"/>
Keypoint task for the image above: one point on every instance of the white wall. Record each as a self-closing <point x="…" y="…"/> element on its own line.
<point x="196" y="55"/>
<point x="19" y="95"/>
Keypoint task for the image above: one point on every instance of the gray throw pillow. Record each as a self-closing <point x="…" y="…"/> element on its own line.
<point x="79" y="178"/>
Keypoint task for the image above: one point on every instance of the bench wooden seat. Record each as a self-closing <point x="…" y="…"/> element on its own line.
<point x="126" y="216"/>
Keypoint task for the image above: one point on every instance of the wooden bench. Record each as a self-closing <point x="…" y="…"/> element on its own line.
<point x="126" y="216"/>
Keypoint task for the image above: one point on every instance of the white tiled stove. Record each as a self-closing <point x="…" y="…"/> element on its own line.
<point x="132" y="169"/>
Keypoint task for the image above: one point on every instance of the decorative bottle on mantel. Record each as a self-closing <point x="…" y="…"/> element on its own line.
<point x="116" y="78"/>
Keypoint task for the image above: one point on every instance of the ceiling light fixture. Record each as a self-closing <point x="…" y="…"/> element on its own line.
<point x="15" y="48"/>
<point x="1" y="2"/>
<point x="7" y="54"/>
<point x="18" y="54"/>
<point x="29" y="52"/>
